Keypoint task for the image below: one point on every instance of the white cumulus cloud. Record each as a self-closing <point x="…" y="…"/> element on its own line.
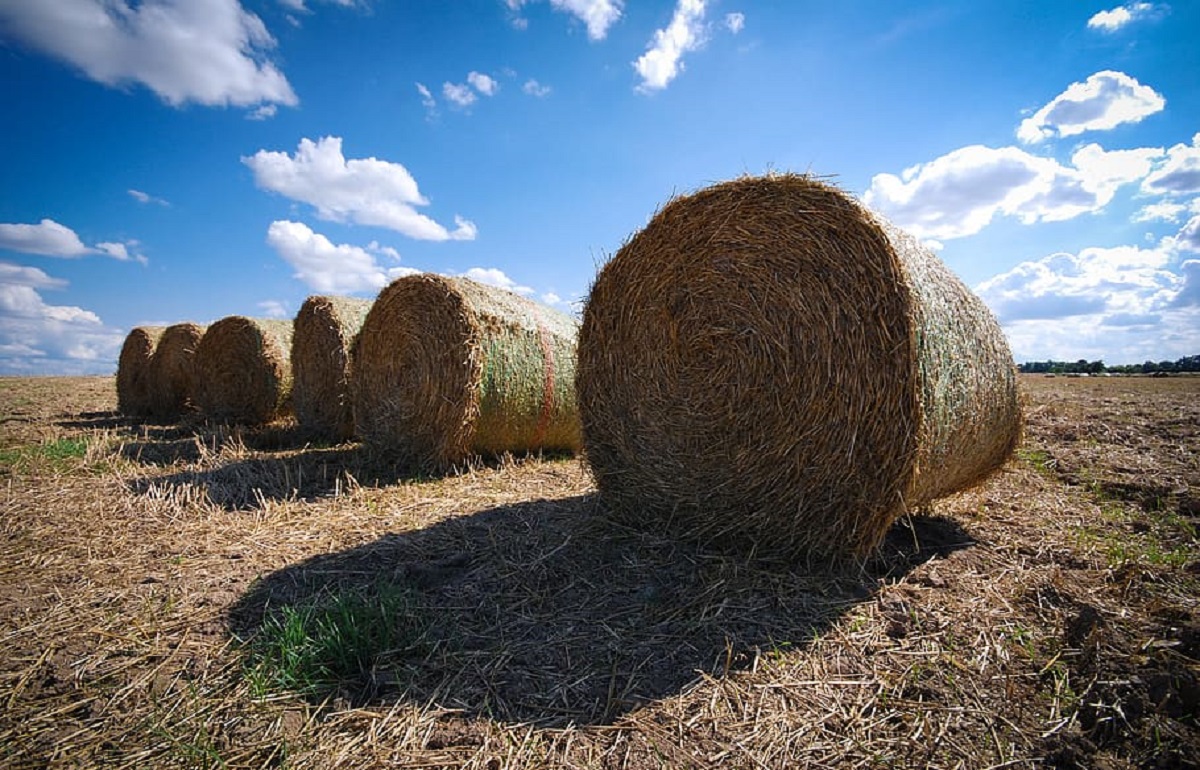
<point x="40" y="338"/>
<point x="735" y="22"/>
<point x="663" y="60"/>
<point x="1104" y="101"/>
<point x="495" y="277"/>
<point x="209" y="52"/>
<point x="365" y="191"/>
<point x="1179" y="174"/>
<point x="47" y="238"/>
<point x="597" y="15"/>
<point x="1114" y="19"/>
<point x="330" y="268"/>
<point x="1126" y="300"/>
<point x="961" y="192"/>
<point x="51" y="239"/>
<point x="458" y="94"/>
<point x="484" y="84"/>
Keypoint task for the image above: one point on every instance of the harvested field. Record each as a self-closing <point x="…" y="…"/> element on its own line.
<point x="498" y="619"/>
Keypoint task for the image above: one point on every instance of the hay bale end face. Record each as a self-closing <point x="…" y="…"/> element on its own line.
<point x="133" y="370"/>
<point x="446" y="369"/>
<point x="322" y="335"/>
<point x="172" y="372"/>
<point x="242" y="370"/>
<point x="768" y="365"/>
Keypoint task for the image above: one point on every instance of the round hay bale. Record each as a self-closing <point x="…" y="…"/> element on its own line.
<point x="322" y="335"/>
<point x="242" y="370"/>
<point x="768" y="365"/>
<point x="133" y="370"/>
<point x="172" y="374"/>
<point x="447" y="368"/>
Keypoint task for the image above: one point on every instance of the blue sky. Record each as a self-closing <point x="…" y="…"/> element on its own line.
<point x="172" y="160"/>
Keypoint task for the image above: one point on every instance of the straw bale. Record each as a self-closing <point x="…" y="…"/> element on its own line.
<point x="768" y="365"/>
<point x="133" y="370"/>
<point x="447" y="368"/>
<point x="322" y="335"/>
<point x="243" y="373"/>
<point x="172" y="373"/>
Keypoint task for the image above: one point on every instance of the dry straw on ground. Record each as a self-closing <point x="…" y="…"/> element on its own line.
<point x="446" y="369"/>
<point x="172" y="371"/>
<point x="769" y="364"/>
<point x="323" y="333"/>
<point x="242" y="370"/>
<point x="133" y="370"/>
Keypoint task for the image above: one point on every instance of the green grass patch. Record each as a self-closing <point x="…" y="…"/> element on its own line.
<point x="60" y="455"/>
<point x="1039" y="459"/>
<point x="335" y="642"/>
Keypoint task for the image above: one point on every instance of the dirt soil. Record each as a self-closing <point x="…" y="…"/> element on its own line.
<point x="1047" y="618"/>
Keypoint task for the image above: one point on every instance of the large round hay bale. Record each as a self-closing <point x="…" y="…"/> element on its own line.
<point x="133" y="370"/>
<point x="172" y="374"/>
<point x="769" y="365"/>
<point x="322" y="335"/>
<point x="447" y="368"/>
<point x="242" y="370"/>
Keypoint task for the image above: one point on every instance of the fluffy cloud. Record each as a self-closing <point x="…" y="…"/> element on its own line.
<point x="1188" y="238"/>
<point x="209" y="52"/>
<point x="366" y="191"/>
<point x="1125" y="300"/>
<point x="495" y="277"/>
<point x="1180" y="174"/>
<point x="1111" y="21"/>
<point x="484" y="84"/>
<point x="597" y="15"/>
<point x="48" y="238"/>
<point x="1105" y="100"/>
<point x="51" y="239"/>
<point x="960" y="193"/>
<point x="663" y="60"/>
<point x="38" y="338"/>
<point x="534" y="88"/>
<point x="458" y="94"/>
<point x="734" y="22"/>
<point x="330" y="268"/>
<point x="1165" y="211"/>
<point x="1189" y="295"/>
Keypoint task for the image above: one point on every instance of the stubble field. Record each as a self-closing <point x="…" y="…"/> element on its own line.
<point x="185" y="595"/>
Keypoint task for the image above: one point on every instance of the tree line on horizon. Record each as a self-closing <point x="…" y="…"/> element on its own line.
<point x="1083" y="366"/>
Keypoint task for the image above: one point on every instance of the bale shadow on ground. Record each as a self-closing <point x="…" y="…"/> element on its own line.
<point x="547" y="612"/>
<point x="251" y="482"/>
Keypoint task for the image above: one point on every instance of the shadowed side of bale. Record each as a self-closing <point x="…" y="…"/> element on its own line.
<point x="242" y="368"/>
<point x="322" y="335"/>
<point x="446" y="368"/>
<point x="133" y="370"/>
<point x="971" y="418"/>
<point x="762" y="367"/>
<point x="172" y="374"/>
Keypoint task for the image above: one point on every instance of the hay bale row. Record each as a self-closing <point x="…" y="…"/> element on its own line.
<point x="447" y="368"/>
<point x="322" y="335"/>
<point x="243" y="373"/>
<point x="768" y="365"/>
